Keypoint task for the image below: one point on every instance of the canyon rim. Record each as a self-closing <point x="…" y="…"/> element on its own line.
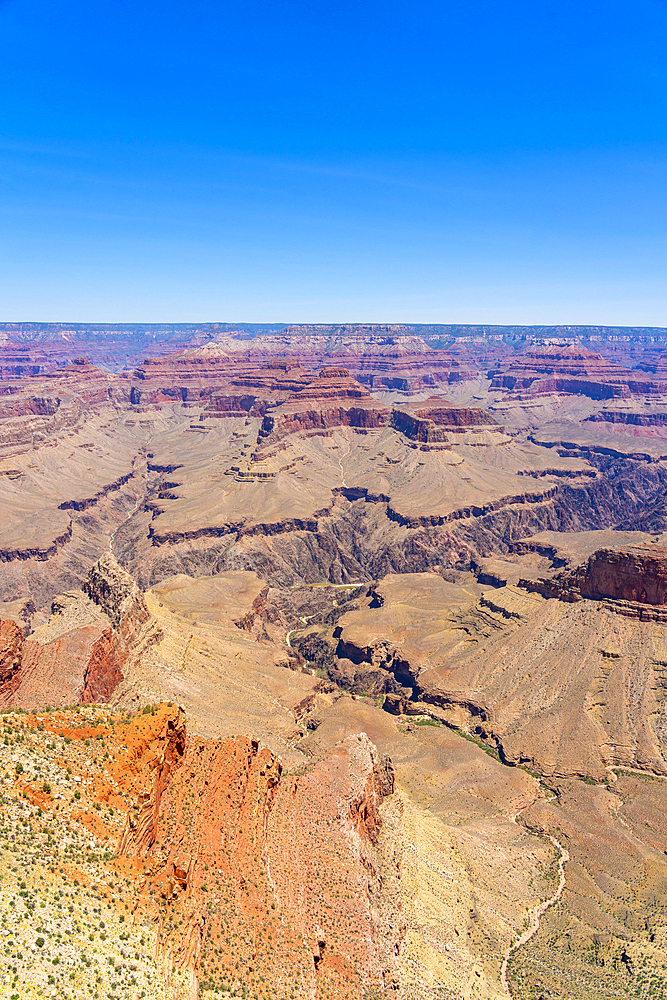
<point x="333" y="662"/>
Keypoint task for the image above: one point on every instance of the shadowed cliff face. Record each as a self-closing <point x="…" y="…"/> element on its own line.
<point x="436" y="420"/>
<point x="636" y="574"/>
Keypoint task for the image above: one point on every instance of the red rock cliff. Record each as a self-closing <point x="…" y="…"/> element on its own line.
<point x="636" y="574"/>
<point x="11" y="647"/>
<point x="255" y="878"/>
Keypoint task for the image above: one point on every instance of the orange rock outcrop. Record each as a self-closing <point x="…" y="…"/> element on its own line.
<point x="258" y="881"/>
<point x="11" y="648"/>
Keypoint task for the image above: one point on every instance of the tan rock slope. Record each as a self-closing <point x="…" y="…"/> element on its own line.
<point x="569" y="689"/>
<point x="414" y="660"/>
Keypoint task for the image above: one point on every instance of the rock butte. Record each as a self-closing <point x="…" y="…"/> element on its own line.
<point x="347" y="635"/>
<point x="574" y="370"/>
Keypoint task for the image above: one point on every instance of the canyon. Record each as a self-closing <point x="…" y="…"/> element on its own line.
<point x="351" y="634"/>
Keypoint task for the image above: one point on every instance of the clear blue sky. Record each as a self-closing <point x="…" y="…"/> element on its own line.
<point x="332" y="161"/>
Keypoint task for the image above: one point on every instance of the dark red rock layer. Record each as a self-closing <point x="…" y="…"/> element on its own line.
<point x="432" y="420"/>
<point x="103" y="671"/>
<point x="630" y="419"/>
<point x="85" y="663"/>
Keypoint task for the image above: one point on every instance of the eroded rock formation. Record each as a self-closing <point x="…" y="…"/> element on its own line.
<point x="154" y="750"/>
<point x="568" y="689"/>
<point x="435" y="419"/>
<point x="634" y="576"/>
<point x="113" y="590"/>
<point x="78" y="655"/>
<point x="242" y="864"/>
<point x="570" y="369"/>
<point x="11" y="648"/>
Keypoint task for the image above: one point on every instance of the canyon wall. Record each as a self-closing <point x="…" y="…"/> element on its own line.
<point x="243" y="865"/>
<point x="637" y="574"/>
<point x="78" y="655"/>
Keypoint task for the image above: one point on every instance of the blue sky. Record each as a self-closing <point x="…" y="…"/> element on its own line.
<point x="301" y="161"/>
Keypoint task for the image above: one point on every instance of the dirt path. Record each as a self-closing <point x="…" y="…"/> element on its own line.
<point x="289" y="634"/>
<point x="536" y="914"/>
<point x="340" y="459"/>
<point x="612" y="768"/>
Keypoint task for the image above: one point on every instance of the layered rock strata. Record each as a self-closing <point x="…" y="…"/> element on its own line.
<point x="436" y="419"/>
<point x="629" y="578"/>
<point x="570" y="369"/>
<point x="78" y="655"/>
<point x="242" y="865"/>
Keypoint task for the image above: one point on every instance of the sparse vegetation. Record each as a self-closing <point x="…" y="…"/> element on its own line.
<point x="56" y="878"/>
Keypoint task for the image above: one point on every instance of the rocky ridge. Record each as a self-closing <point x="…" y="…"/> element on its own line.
<point x="246" y="496"/>
<point x="221" y="865"/>
<point x="632" y="582"/>
<point x="78" y="655"/>
<point x="242" y="896"/>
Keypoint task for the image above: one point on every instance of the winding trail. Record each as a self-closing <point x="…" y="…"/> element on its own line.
<point x="612" y="768"/>
<point x="536" y="914"/>
<point x="306" y="618"/>
<point x="340" y="458"/>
